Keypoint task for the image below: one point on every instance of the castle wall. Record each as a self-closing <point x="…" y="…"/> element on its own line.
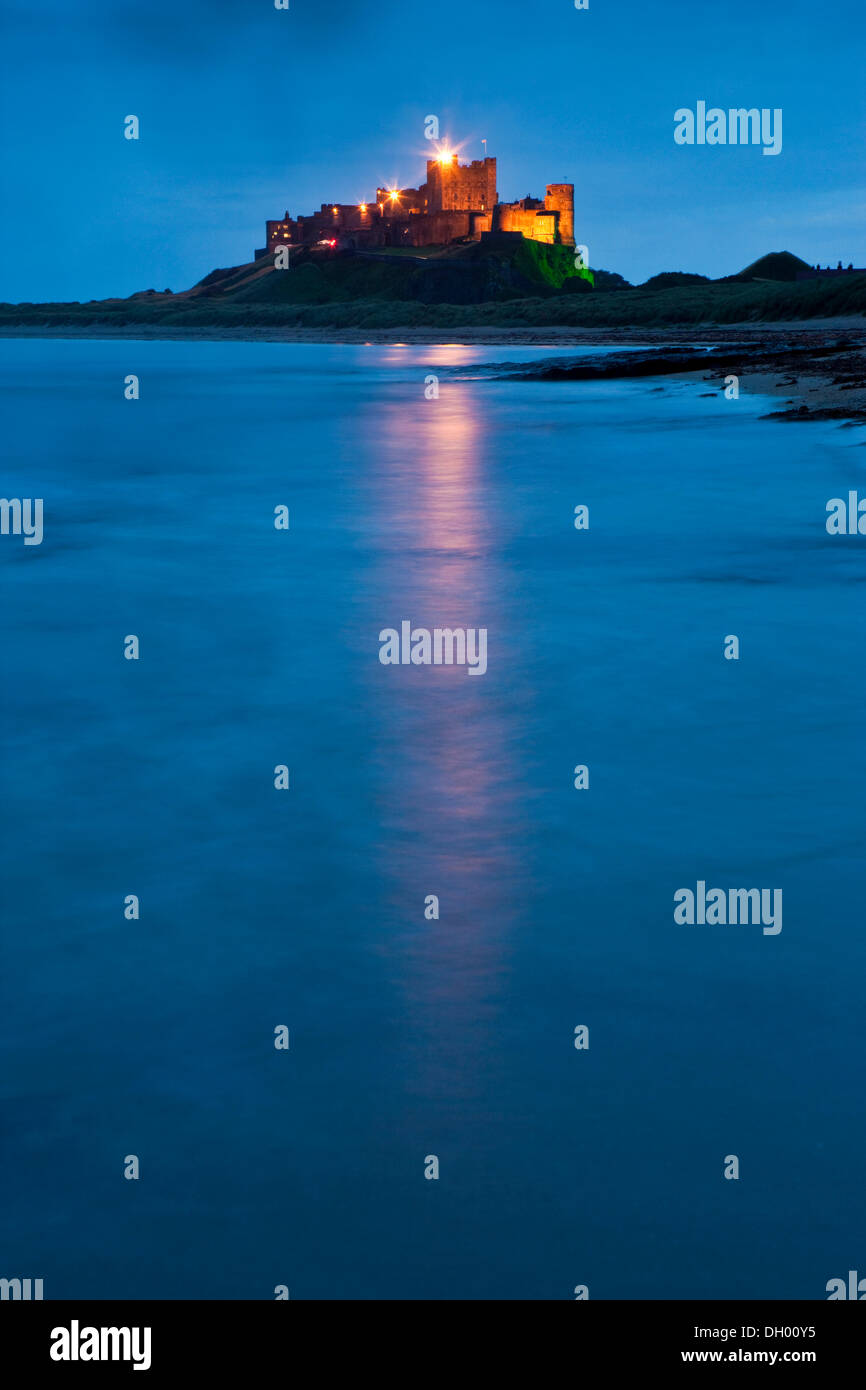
<point x="537" y="222"/>
<point x="480" y="222"/>
<point x="410" y="200"/>
<point x="436" y="229"/>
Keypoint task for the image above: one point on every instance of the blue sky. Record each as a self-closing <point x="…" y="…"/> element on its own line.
<point x="246" y="111"/>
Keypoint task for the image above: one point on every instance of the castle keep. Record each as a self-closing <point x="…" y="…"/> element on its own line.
<point x="457" y="202"/>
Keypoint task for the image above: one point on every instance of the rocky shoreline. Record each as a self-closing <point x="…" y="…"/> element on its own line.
<point x="820" y="375"/>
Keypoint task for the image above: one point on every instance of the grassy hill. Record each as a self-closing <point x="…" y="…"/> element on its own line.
<point x="778" y="265"/>
<point x="500" y="283"/>
<point x="464" y="274"/>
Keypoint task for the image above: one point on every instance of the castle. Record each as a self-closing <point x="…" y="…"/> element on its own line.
<point x="457" y="202"/>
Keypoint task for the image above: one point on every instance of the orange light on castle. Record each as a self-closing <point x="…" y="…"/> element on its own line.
<point x="459" y="208"/>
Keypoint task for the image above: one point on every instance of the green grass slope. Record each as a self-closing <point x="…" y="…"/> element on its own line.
<point x="778" y="265"/>
<point x="526" y="284"/>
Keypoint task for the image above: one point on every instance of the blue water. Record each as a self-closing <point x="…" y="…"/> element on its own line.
<point x="261" y="907"/>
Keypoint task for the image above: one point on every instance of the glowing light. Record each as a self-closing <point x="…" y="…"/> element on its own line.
<point x="363" y="207"/>
<point x="335" y="209"/>
<point x="394" y="195"/>
<point x="445" y="157"/>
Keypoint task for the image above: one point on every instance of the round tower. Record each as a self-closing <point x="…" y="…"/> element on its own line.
<point x="559" y="197"/>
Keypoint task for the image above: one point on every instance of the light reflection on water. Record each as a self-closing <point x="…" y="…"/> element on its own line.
<point x="450" y="801"/>
<point x="413" y="1036"/>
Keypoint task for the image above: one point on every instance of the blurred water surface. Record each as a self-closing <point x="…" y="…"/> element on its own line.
<point x="412" y="1037"/>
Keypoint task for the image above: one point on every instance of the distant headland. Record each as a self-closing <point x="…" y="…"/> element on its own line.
<point x="504" y="281"/>
<point x="449" y="255"/>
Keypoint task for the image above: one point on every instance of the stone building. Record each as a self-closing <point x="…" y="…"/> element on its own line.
<point x="458" y="202"/>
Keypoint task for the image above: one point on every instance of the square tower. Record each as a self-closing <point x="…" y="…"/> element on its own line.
<point x="453" y="187"/>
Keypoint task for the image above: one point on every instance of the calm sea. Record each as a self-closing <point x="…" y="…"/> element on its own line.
<point x="410" y="1036"/>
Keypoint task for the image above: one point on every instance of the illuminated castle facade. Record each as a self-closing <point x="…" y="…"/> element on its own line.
<point x="457" y="202"/>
